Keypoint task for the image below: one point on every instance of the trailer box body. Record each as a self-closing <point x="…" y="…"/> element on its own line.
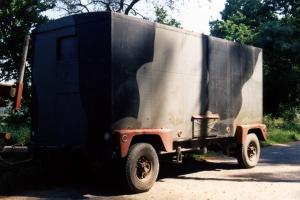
<point x="100" y="72"/>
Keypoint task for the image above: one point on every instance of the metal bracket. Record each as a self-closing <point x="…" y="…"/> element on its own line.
<point x="203" y="124"/>
<point x="179" y="155"/>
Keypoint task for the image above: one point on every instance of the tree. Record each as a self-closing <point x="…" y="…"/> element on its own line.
<point x="233" y="29"/>
<point x="273" y="25"/>
<point x="163" y="18"/>
<point x="122" y="6"/>
<point x="17" y="18"/>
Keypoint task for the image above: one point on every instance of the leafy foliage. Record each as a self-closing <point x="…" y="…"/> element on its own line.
<point x="17" y="122"/>
<point x="281" y="130"/>
<point x="233" y="31"/>
<point x="122" y="6"/>
<point x="163" y="18"/>
<point x="17" y="18"/>
<point x="21" y="132"/>
<point x="273" y="25"/>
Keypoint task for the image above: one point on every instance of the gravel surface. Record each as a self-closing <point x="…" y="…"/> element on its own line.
<point x="276" y="177"/>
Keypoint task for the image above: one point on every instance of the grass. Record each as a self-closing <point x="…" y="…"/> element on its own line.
<point x="20" y="132"/>
<point x="16" y="122"/>
<point x="279" y="131"/>
<point x="201" y="157"/>
<point x="282" y="131"/>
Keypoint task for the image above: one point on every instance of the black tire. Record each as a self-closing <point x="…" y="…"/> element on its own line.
<point x="142" y="167"/>
<point x="248" y="153"/>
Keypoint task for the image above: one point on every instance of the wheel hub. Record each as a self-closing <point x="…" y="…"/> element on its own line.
<point x="143" y="167"/>
<point x="252" y="151"/>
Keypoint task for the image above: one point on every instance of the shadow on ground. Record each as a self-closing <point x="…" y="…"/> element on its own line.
<point x="79" y="181"/>
<point x="173" y="170"/>
<point x="285" y="154"/>
<point x="251" y="177"/>
<point x="84" y="182"/>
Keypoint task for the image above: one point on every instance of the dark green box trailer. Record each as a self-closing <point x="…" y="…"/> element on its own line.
<point x="124" y="88"/>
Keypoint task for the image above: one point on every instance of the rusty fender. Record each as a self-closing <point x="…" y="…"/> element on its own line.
<point x="125" y="136"/>
<point x="242" y="130"/>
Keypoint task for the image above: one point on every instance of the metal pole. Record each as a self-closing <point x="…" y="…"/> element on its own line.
<point x="22" y="71"/>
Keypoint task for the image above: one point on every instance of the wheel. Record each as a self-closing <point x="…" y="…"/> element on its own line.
<point x="142" y="167"/>
<point x="249" y="152"/>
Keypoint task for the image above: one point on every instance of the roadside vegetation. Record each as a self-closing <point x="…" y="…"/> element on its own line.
<point x="283" y="129"/>
<point x="18" y="124"/>
<point x="20" y="132"/>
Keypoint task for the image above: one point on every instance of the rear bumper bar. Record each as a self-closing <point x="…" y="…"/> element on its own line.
<point x="29" y="149"/>
<point x="15" y="149"/>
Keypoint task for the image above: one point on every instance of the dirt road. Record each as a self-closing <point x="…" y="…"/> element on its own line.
<point x="276" y="177"/>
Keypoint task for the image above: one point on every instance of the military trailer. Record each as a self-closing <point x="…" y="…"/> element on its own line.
<point x="118" y="87"/>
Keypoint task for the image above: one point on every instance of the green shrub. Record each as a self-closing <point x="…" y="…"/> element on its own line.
<point x="21" y="116"/>
<point x="282" y="130"/>
<point x="20" y="132"/>
<point x="290" y="113"/>
<point x="18" y="123"/>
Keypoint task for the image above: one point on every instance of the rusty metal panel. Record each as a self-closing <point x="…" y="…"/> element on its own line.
<point x="125" y="136"/>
